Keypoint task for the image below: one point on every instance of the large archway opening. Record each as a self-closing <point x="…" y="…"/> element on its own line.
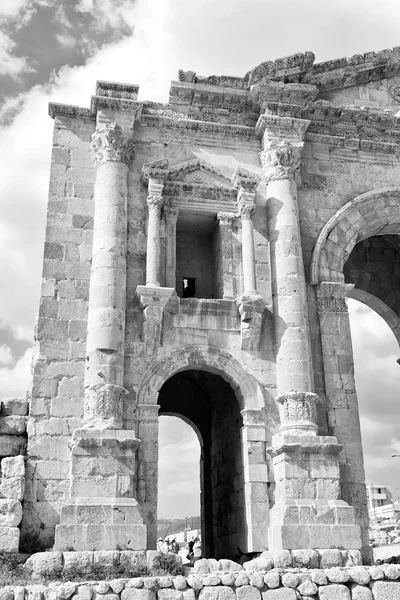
<point x="209" y="404"/>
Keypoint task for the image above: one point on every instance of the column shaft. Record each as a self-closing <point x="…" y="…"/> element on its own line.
<point x="289" y="287"/>
<point x="249" y="267"/>
<point x="154" y="204"/>
<point x="171" y="214"/>
<point x="107" y="293"/>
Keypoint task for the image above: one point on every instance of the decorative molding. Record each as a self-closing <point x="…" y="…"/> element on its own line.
<point x="68" y="110"/>
<point x="110" y="144"/>
<point x="113" y="89"/>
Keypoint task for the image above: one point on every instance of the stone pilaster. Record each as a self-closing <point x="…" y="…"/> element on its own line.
<point x="171" y="215"/>
<point x="226" y="221"/>
<point x="154" y="204"/>
<point x="246" y="211"/>
<point x="342" y="404"/>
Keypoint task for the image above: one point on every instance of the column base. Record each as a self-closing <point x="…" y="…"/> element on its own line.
<point x="102" y="513"/>
<point x="314" y="524"/>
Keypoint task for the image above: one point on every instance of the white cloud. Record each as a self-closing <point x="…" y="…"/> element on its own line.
<point x="11" y="65"/>
<point x="11" y="8"/>
<point x="6" y="356"/>
<point x="15" y="381"/>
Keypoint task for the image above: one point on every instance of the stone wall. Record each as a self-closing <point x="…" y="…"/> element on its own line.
<point x="269" y="577"/>
<point x="13" y="416"/>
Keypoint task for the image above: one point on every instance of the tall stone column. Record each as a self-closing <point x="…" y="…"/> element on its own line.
<point x="308" y="510"/>
<point x="154" y="204"/>
<point x="293" y="368"/>
<point x="102" y="512"/>
<point x="246" y="211"/>
<point x="104" y="391"/>
<point x="171" y="215"/>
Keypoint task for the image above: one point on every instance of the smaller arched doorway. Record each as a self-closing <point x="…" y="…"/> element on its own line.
<point x="208" y="403"/>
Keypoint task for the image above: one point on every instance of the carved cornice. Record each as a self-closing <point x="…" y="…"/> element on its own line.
<point x="242" y="178"/>
<point x="113" y="89"/>
<point x="68" y="110"/>
<point x="280" y="160"/>
<point x="110" y="144"/>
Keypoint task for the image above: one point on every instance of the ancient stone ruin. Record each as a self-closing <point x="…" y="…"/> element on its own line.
<point x="197" y="259"/>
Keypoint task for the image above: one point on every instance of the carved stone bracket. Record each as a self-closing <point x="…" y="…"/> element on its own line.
<point x="251" y="308"/>
<point x="110" y="144"/>
<point x="153" y="301"/>
<point x="298" y="412"/>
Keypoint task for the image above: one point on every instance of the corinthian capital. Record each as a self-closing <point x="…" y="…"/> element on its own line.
<point x="280" y="160"/>
<point x="246" y="211"/>
<point x="110" y="144"/>
<point x="154" y="202"/>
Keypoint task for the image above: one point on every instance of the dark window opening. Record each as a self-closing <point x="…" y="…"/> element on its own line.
<point x="189" y="288"/>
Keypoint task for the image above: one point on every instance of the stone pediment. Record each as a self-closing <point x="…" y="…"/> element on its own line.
<point x="194" y="172"/>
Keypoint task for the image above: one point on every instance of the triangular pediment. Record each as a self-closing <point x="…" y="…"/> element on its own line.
<point x="195" y="171"/>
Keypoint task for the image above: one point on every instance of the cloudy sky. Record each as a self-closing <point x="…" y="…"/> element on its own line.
<point x="54" y="50"/>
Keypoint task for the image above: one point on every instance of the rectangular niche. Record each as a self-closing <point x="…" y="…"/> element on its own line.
<point x="198" y="255"/>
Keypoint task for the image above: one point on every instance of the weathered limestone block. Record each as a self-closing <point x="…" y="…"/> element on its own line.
<point x="336" y="575"/>
<point x="11" y="445"/>
<point x="376" y="573"/>
<point x="330" y="558"/>
<point x="117" y="585"/>
<point x="385" y="590"/>
<point x="201" y="567"/>
<point x="179" y="582"/>
<point x="360" y="592"/>
<point x="13" y="466"/>
<point x="12" y="487"/>
<point x="359" y="575"/>
<point x="9" y="539"/>
<point x="257" y="580"/>
<point x="10" y="512"/>
<point x="164" y="582"/>
<point x="280" y="594"/>
<point x="135" y="582"/>
<point x="66" y="590"/>
<point x="217" y="593"/>
<point x="272" y="579"/>
<point x="213" y="564"/>
<point x="43" y="562"/>
<point x="318" y="577"/>
<point x="335" y="591"/>
<point x="168" y="594"/>
<point x="211" y="579"/>
<point x="305" y="558"/>
<point x="149" y="583"/>
<point x="241" y="579"/>
<point x="307" y="588"/>
<point x="229" y="565"/>
<point x="102" y="588"/>
<point x="391" y="571"/>
<point x="14" y="406"/>
<point x="77" y="560"/>
<point x="248" y="592"/>
<point x="136" y="594"/>
<point x="290" y="580"/>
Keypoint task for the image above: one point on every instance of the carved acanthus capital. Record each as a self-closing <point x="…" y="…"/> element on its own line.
<point x="104" y="406"/>
<point x="246" y="211"/>
<point x="171" y="212"/>
<point x="155" y="203"/>
<point x="298" y="412"/>
<point x="110" y="144"/>
<point x="226" y="219"/>
<point x="280" y="160"/>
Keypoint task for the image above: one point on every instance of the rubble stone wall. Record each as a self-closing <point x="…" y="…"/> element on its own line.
<point x="272" y="578"/>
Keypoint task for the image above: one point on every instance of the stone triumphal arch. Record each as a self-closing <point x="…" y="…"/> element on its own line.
<point x="197" y="259"/>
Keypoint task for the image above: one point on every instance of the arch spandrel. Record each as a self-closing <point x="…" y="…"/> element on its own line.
<point x="373" y="213"/>
<point x="207" y="358"/>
